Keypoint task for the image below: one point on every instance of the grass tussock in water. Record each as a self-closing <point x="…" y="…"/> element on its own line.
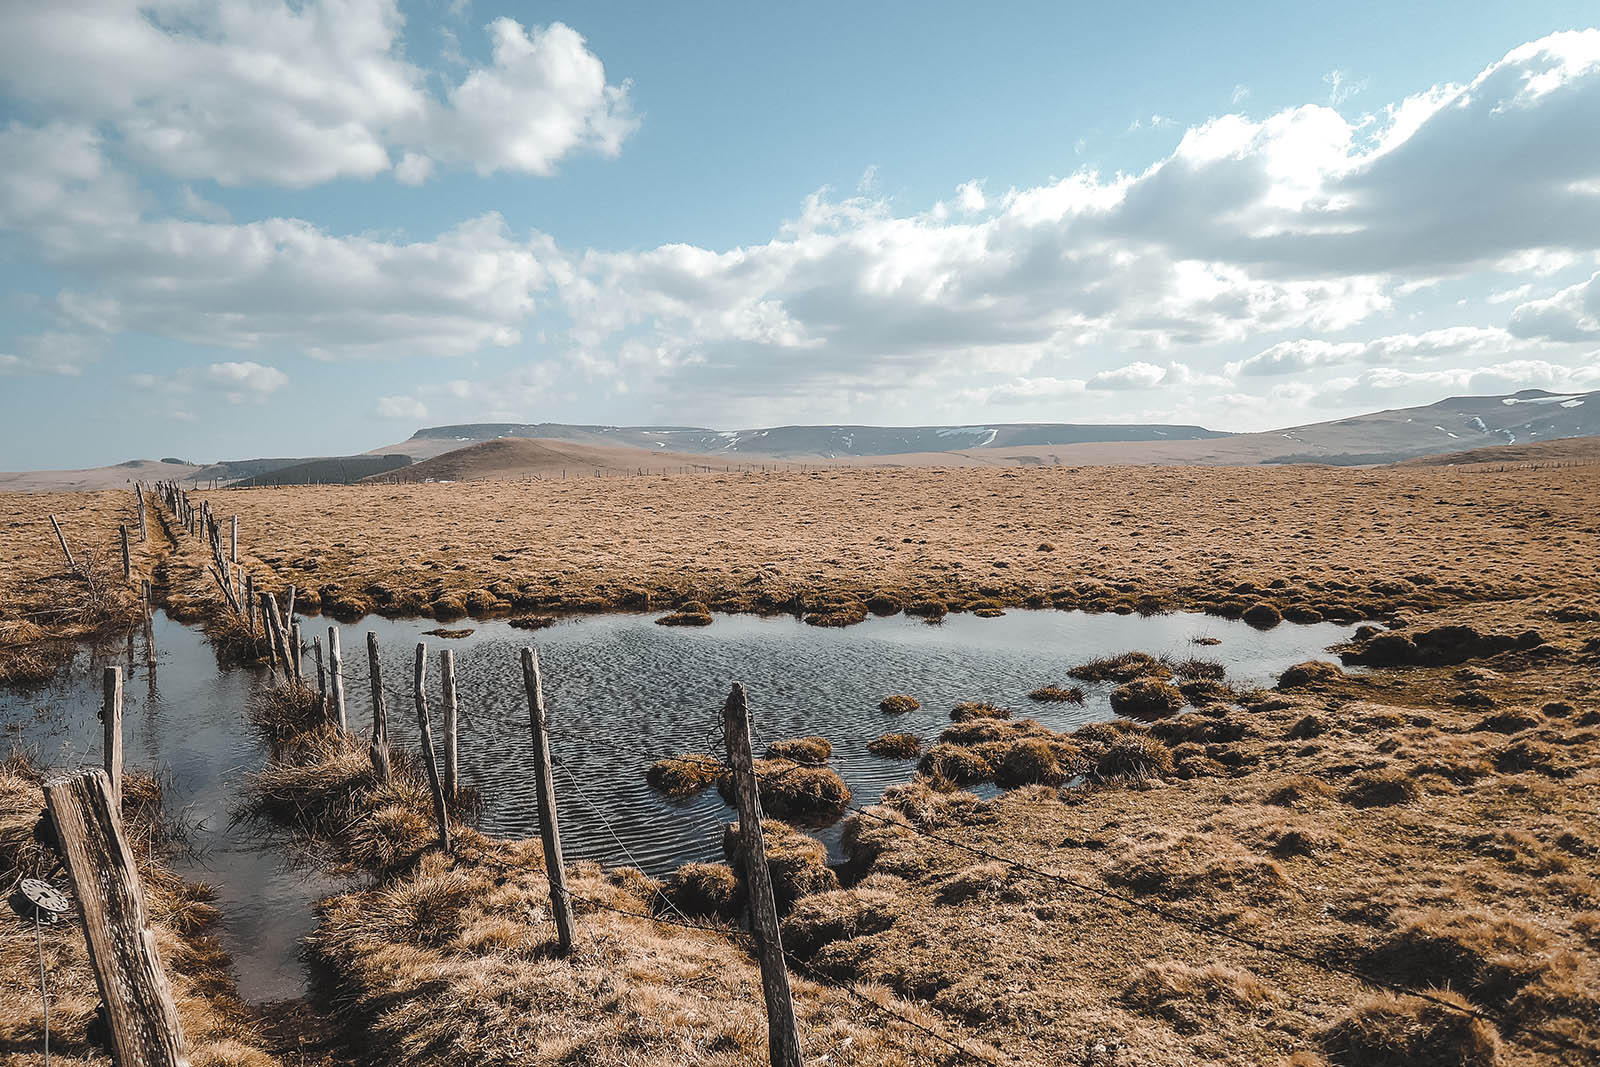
<point x="1058" y="695"/>
<point x="792" y="790"/>
<point x="898" y="704"/>
<point x="968" y="710"/>
<point x="809" y="751"/>
<point x="682" y="776"/>
<point x="1124" y="667"/>
<point x="896" y="746"/>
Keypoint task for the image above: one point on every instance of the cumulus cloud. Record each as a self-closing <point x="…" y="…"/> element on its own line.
<point x="1573" y="314"/>
<point x="1289" y="357"/>
<point x="297" y="94"/>
<point x="235" y="382"/>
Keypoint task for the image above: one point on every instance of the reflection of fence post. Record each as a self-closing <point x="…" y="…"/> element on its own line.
<point x="452" y="770"/>
<point x="441" y="812"/>
<point x="336" y="682"/>
<point x="111" y="713"/>
<point x="783" y="1033"/>
<point x="379" y="748"/>
<point x="144" y="1023"/>
<point x="549" y="830"/>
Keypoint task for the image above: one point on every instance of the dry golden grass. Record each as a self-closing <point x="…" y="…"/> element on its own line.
<point x="1310" y="542"/>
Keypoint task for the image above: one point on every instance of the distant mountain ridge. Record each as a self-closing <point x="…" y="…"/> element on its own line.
<point x="813" y="442"/>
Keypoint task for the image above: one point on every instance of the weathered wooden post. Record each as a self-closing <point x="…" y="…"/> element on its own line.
<point x="272" y="622"/>
<point x="783" y="1034"/>
<point x="544" y="781"/>
<point x="322" y="678"/>
<point x="127" y="560"/>
<point x="236" y="539"/>
<point x="111" y="715"/>
<point x="145" y="587"/>
<point x="63" y="539"/>
<point x="288" y="609"/>
<point x="441" y="810"/>
<point x="144" y="1023"/>
<point x="447" y="677"/>
<point x="144" y="534"/>
<point x="379" y="749"/>
<point x="295" y="652"/>
<point x="336" y="686"/>
<point x="250" y="603"/>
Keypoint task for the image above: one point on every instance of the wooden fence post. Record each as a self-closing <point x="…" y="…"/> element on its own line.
<point x="272" y="622"/>
<point x="441" y="810"/>
<point x="63" y="539"/>
<point x="447" y="677"/>
<point x="379" y="749"/>
<point x="144" y="1023"/>
<point x="544" y="781"/>
<point x="783" y="1034"/>
<point x="336" y="681"/>
<point x="322" y="678"/>
<point x="250" y="602"/>
<point x="144" y="534"/>
<point x="294" y="651"/>
<point x="127" y="560"/>
<point x="236" y="539"/>
<point x="111" y="713"/>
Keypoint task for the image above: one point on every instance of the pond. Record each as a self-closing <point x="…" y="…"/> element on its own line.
<point x="622" y="692"/>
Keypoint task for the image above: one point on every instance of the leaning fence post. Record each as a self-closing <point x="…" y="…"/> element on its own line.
<point x="127" y="561"/>
<point x="425" y="737"/>
<point x="379" y="748"/>
<point x="144" y="1023"/>
<point x="63" y="539"/>
<point x="336" y="681"/>
<point x="111" y="713"/>
<point x="447" y="677"/>
<point x="783" y="1034"/>
<point x="272" y="622"/>
<point x="549" y="830"/>
<point x="143" y="533"/>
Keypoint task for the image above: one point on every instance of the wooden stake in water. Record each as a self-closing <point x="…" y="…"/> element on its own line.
<point x="783" y="1033"/>
<point x="545" y="789"/>
<point x="447" y="677"/>
<point x="441" y="810"/>
<point x="143" y="1020"/>
<point x="111" y="714"/>
<point x="379" y="748"/>
<point x="336" y="682"/>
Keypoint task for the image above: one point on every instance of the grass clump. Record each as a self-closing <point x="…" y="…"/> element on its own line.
<point x="1132" y="758"/>
<point x="797" y="862"/>
<point x="896" y="746"/>
<point x="682" y="776"/>
<point x="898" y="704"/>
<point x="1056" y="694"/>
<point x="807" y="751"/>
<point x="1188" y="997"/>
<point x="1123" y="667"/>
<point x="1384" y="787"/>
<point x="705" y="890"/>
<point x="1262" y="616"/>
<point x="968" y="710"/>
<point x="955" y="763"/>
<point x="790" y="790"/>
<point x="1309" y="674"/>
<point x="1487" y="956"/>
<point x="691" y="613"/>
<point x="928" y="608"/>
<point x="1390" y="1031"/>
<point x="839" y="915"/>
<point x="883" y="604"/>
<point x="1146" y="698"/>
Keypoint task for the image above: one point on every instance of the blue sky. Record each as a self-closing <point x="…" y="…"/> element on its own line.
<point x="263" y="229"/>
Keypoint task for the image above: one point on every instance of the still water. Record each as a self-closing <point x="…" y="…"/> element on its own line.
<point x="622" y="692"/>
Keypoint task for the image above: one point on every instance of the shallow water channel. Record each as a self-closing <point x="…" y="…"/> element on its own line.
<point x="622" y="692"/>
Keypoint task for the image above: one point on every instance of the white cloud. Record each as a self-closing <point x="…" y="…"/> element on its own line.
<point x="401" y="407"/>
<point x="1288" y="357"/>
<point x="1573" y="314"/>
<point x="1138" y="375"/>
<point x="236" y="382"/>
<point x="298" y="94"/>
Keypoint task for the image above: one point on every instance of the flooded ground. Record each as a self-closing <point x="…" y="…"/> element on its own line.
<point x="622" y="692"/>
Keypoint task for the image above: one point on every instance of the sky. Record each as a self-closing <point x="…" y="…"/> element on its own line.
<point x="256" y="228"/>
